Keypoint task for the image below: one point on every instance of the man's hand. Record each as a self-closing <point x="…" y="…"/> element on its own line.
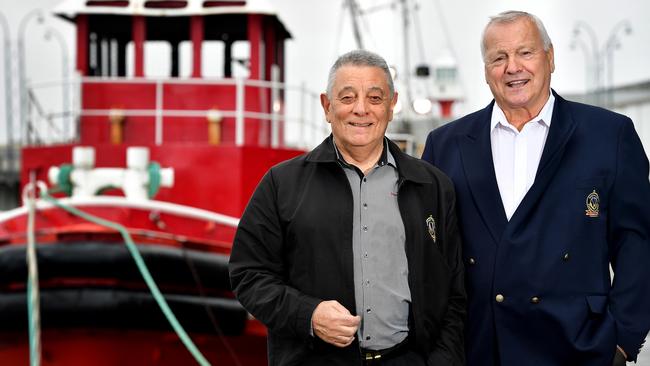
<point x="334" y="324"/>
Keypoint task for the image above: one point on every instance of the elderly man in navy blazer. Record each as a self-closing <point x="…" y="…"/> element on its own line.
<point x="550" y="194"/>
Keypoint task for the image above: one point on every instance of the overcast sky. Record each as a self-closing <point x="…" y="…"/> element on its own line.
<point x="315" y="26"/>
<point x="321" y="31"/>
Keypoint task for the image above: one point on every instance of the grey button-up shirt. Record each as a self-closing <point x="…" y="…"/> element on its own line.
<point x="380" y="266"/>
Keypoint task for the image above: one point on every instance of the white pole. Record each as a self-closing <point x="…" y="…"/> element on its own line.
<point x="239" y="112"/>
<point x="275" y="106"/>
<point x="159" y="106"/>
<point x="303" y="119"/>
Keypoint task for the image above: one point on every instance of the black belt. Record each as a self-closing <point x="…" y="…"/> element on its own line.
<point x="370" y="357"/>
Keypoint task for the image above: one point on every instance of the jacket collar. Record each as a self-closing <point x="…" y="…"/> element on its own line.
<point x="408" y="167"/>
<point x="476" y="155"/>
<point x="478" y="166"/>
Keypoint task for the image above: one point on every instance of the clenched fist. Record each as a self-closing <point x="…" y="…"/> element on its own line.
<point x="334" y="324"/>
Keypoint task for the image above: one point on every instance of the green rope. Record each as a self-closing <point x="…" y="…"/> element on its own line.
<point x="34" y="338"/>
<point x="146" y="275"/>
<point x="33" y="296"/>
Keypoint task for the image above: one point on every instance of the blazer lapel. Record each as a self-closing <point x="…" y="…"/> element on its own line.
<point x="559" y="134"/>
<point x="476" y="152"/>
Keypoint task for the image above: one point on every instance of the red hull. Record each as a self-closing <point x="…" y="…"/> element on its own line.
<point x="98" y="347"/>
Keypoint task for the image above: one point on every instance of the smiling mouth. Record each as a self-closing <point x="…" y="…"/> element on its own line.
<point x="360" y="124"/>
<point x="517" y="83"/>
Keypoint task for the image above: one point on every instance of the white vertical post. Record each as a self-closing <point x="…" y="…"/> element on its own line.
<point x="314" y="120"/>
<point x="302" y="120"/>
<point x="159" y="106"/>
<point x="275" y="106"/>
<point x="104" y="62"/>
<point x="239" y="111"/>
<point x="77" y="85"/>
<point x="114" y="57"/>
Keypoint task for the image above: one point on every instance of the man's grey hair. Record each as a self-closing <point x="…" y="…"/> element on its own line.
<point x="514" y="15"/>
<point x="360" y="58"/>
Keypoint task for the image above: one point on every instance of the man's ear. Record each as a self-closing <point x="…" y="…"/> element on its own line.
<point x="393" y="102"/>
<point x="326" y="104"/>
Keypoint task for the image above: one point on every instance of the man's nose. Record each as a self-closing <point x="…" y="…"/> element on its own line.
<point x="360" y="107"/>
<point x="513" y="66"/>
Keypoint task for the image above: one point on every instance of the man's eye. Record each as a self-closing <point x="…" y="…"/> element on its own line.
<point x="376" y="99"/>
<point x="347" y="100"/>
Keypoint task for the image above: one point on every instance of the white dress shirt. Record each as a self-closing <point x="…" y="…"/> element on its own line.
<point x="516" y="154"/>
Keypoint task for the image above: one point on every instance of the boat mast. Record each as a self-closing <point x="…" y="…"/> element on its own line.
<point x="355" y="13"/>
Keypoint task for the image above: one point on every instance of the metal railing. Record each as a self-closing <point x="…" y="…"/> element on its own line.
<point x="304" y="125"/>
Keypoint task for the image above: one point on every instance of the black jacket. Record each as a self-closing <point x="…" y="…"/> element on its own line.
<point x="293" y="249"/>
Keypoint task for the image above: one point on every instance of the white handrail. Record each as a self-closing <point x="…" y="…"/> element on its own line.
<point x="112" y="201"/>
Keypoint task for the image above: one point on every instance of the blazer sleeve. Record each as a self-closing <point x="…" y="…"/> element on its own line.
<point x="629" y="242"/>
<point x="258" y="271"/>
<point x="450" y="346"/>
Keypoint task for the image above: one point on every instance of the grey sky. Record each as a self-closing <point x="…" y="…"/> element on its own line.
<point x="321" y="31"/>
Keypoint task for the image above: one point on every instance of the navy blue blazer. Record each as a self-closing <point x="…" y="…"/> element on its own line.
<point x="539" y="285"/>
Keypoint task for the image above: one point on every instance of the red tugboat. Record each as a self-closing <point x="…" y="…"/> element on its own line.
<point x="173" y="160"/>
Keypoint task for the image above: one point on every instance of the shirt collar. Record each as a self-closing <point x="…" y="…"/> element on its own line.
<point x="544" y="116"/>
<point x="385" y="158"/>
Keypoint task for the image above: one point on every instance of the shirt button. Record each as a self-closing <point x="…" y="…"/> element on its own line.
<point x="565" y="257"/>
<point x="500" y="298"/>
<point x="365" y="205"/>
<point x="365" y="255"/>
<point x="368" y="338"/>
<point x="365" y="179"/>
<point x="535" y="300"/>
<point x="365" y="228"/>
<point x="472" y="261"/>
<point x="368" y="310"/>
<point x="367" y="282"/>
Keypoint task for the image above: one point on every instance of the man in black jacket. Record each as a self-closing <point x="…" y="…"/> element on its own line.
<point x="350" y="254"/>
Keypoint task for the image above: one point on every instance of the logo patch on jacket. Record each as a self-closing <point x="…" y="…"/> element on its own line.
<point x="431" y="226"/>
<point x="593" y="204"/>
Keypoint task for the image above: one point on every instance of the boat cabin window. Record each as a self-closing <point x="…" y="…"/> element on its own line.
<point x="212" y="59"/>
<point x="157" y="55"/>
<point x="241" y="54"/>
<point x="158" y="59"/>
